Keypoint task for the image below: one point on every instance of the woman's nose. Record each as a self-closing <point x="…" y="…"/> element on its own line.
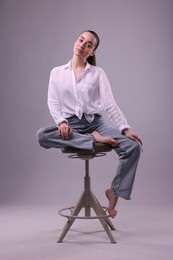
<point x="82" y="45"/>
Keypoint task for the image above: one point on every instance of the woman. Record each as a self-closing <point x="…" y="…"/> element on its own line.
<point x="77" y="92"/>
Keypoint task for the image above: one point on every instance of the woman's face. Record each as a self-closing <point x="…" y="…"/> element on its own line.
<point x="85" y="45"/>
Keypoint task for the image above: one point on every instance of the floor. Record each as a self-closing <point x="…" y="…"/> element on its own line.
<point x="31" y="232"/>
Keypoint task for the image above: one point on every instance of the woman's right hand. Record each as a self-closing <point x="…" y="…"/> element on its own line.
<point x="64" y="130"/>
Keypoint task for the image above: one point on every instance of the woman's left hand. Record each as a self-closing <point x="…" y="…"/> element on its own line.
<point x="132" y="135"/>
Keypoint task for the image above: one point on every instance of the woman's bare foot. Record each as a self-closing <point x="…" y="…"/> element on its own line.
<point x="112" y="202"/>
<point x="104" y="139"/>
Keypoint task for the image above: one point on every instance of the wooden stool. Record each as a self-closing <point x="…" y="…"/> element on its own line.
<point x="87" y="200"/>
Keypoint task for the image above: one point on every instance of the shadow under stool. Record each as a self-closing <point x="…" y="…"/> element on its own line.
<point x="88" y="200"/>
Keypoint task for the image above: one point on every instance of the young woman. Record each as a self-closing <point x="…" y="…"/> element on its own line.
<point x="77" y="93"/>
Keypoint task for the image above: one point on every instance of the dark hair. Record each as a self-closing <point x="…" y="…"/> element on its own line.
<point x="92" y="59"/>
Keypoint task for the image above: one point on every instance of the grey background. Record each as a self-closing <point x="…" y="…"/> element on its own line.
<point x="135" y="52"/>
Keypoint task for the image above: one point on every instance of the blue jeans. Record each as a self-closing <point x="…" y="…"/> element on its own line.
<point x="127" y="150"/>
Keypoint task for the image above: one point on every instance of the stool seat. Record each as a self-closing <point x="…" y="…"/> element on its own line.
<point x="97" y="148"/>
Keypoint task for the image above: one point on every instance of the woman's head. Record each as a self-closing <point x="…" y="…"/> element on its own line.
<point x="86" y="45"/>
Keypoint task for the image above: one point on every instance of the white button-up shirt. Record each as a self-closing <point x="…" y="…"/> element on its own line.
<point x="88" y="95"/>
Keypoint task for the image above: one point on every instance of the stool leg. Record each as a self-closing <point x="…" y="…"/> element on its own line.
<point x="103" y="221"/>
<point x="70" y="221"/>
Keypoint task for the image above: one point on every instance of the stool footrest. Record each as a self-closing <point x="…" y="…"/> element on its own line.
<point x="82" y="217"/>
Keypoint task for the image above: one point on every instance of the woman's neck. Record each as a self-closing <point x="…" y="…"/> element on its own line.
<point x="78" y="66"/>
<point x="77" y="63"/>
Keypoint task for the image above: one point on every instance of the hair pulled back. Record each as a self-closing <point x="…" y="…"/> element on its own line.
<point x="92" y="59"/>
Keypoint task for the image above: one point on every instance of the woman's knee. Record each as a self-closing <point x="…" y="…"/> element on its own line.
<point x="137" y="147"/>
<point x="41" y="138"/>
<point x="39" y="135"/>
<point x="44" y="135"/>
<point x="133" y="147"/>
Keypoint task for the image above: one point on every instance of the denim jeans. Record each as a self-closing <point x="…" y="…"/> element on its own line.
<point x="127" y="150"/>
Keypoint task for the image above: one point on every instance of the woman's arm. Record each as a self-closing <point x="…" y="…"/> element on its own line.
<point x="53" y="100"/>
<point x="109" y="104"/>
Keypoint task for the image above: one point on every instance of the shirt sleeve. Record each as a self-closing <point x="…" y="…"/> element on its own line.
<point x="53" y="101"/>
<point x="109" y="104"/>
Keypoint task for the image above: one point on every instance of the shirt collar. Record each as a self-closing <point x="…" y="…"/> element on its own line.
<point x="68" y="66"/>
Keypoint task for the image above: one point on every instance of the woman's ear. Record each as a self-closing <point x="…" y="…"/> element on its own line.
<point x="92" y="54"/>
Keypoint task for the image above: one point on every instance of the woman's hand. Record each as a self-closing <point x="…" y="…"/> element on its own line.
<point x="132" y="135"/>
<point x="64" y="130"/>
